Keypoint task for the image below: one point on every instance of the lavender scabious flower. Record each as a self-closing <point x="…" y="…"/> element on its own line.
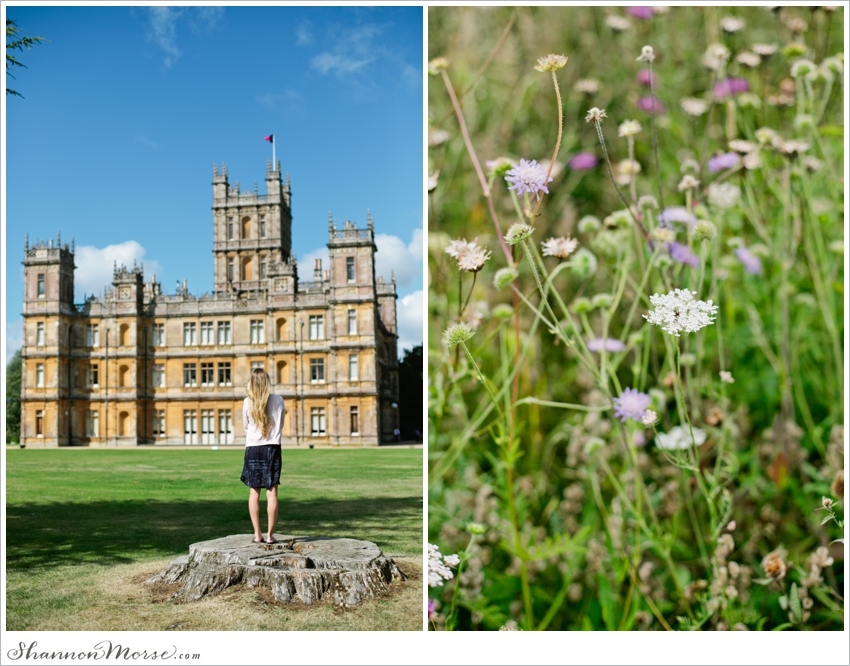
<point x="608" y="344"/>
<point x="726" y="88"/>
<point x="651" y="105"/>
<point x="583" y="161"/>
<point x="432" y="609"/>
<point x="677" y="214"/>
<point x="644" y="13"/>
<point x="723" y="161"/>
<point x="684" y="255"/>
<point x="528" y="177"/>
<point x="631" y="404"/>
<point x="752" y="264"/>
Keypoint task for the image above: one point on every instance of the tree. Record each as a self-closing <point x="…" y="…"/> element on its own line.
<point x="13" y="398"/>
<point x="19" y="42"/>
<point x="410" y="393"/>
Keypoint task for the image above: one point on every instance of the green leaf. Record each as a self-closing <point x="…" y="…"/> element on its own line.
<point x="783" y="627"/>
<point x="831" y="130"/>
<point x="796" y="607"/>
<point x="607" y="602"/>
<point x="783" y="602"/>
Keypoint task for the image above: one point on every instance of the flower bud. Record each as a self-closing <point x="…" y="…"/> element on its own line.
<point x="504" y="276"/>
<point x="589" y="223"/>
<point x="584" y="264"/>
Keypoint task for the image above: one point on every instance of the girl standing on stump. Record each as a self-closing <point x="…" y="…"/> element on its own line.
<point x="262" y="418"/>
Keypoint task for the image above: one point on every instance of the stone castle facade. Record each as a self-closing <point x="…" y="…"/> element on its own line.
<point x="136" y="366"/>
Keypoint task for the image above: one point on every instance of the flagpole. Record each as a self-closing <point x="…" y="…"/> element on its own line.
<point x="274" y="157"/>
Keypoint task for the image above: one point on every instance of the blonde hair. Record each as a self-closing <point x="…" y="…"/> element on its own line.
<point x="259" y="388"/>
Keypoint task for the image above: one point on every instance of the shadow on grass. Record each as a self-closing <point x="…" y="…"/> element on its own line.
<point x="112" y="532"/>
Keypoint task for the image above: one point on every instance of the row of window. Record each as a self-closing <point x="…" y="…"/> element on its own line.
<point x="246" y="227"/>
<point x="208" y="432"/>
<point x="212" y="332"/>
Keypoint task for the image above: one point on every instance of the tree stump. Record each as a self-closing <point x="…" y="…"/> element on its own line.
<point x="296" y="568"/>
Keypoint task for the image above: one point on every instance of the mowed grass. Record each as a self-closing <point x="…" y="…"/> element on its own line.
<point x="84" y="527"/>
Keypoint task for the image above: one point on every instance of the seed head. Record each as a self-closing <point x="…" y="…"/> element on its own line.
<point x="518" y="232"/>
<point x="588" y="224"/>
<point x="688" y="183"/>
<point x="550" y="63"/>
<point x="704" y="230"/>
<point x="587" y="86"/>
<point x="629" y="128"/>
<point x="504" y="276"/>
<point x="457" y="333"/>
<point x="649" y="418"/>
<point x="595" y="115"/>
<point x="802" y="67"/>
<point x="774" y="564"/>
<point x="436" y="65"/>
<point x="647" y="54"/>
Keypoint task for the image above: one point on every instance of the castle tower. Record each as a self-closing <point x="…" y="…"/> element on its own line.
<point x="48" y="315"/>
<point x="251" y="232"/>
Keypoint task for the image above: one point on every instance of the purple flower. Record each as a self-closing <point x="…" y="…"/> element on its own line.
<point x="584" y="161"/>
<point x="631" y="404"/>
<point x="644" y="13"/>
<point x="608" y="344"/>
<point x="752" y="264"/>
<point x="684" y="255"/>
<point x="644" y="76"/>
<point x="650" y="104"/>
<point x="528" y="177"/>
<point x="432" y="609"/>
<point x="677" y="214"/>
<point x="722" y="162"/>
<point x="732" y="85"/>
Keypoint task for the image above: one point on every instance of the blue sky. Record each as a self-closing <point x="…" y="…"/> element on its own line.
<point x="125" y="111"/>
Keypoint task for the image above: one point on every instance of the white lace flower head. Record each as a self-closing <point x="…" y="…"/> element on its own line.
<point x="679" y="311"/>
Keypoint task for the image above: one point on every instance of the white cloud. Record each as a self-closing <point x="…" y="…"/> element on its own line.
<point x="14" y="339"/>
<point x="305" y="263"/>
<point x="304" y="36"/>
<point x="163" y="31"/>
<point x="395" y="256"/>
<point x="94" y="265"/>
<point x="273" y="101"/>
<point x="206" y="19"/>
<point x="409" y="317"/>
<point x="352" y="50"/>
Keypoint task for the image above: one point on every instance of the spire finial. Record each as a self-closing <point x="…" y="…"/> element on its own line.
<point x="215" y="170"/>
<point x="72" y="245"/>
<point x="26" y="242"/>
<point x="331" y="226"/>
<point x="224" y="170"/>
<point x="268" y="167"/>
<point x="256" y="191"/>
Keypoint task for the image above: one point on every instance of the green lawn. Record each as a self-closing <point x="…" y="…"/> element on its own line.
<point x="72" y="514"/>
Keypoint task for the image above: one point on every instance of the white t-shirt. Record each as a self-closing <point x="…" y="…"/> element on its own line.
<point x="275" y="410"/>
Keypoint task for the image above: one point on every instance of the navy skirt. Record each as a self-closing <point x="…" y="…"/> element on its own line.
<point x="262" y="466"/>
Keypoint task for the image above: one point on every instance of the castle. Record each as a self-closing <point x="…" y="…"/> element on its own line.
<point x="137" y="366"/>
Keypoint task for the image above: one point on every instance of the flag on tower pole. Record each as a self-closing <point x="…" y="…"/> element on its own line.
<point x="270" y="138"/>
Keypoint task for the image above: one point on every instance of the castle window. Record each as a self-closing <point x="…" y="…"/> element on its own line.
<point x="189" y="334"/>
<point x="258" y="333"/>
<point x="39" y="334"/>
<point x="230" y="269"/>
<point x="224" y="332"/>
<point x="352" y="322"/>
<point x="281" y="329"/>
<point x="159" y="335"/>
<point x="92" y="335"/>
<point x="262" y="226"/>
<point x="123" y="376"/>
<point x="262" y="268"/>
<point x="190" y="426"/>
<point x="207" y="426"/>
<point x="246" y="227"/>
<point x="39" y="374"/>
<point x="190" y="374"/>
<point x="159" y="423"/>
<point x="349" y="268"/>
<point x="224" y="374"/>
<point x="230" y="228"/>
<point x="159" y="375"/>
<point x="124" y="335"/>
<point x="317" y="370"/>
<point x="225" y="427"/>
<point x="317" y="421"/>
<point x="353" y="372"/>
<point x="92" y="423"/>
<point x="207" y="333"/>
<point x="93" y="376"/>
<point x="207" y="374"/>
<point x="41" y="285"/>
<point x="317" y="327"/>
<point x="257" y="365"/>
<point x="354" y="416"/>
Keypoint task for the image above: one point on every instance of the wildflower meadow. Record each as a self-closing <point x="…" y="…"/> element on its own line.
<point x="636" y="312"/>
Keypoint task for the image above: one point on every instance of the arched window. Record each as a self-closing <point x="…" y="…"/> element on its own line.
<point x="124" y="335"/>
<point x="246" y="227"/>
<point x="280" y="327"/>
<point x="123" y="423"/>
<point x="123" y="376"/>
<point x="281" y="372"/>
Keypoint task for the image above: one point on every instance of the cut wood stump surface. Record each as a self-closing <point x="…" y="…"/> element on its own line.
<point x="296" y="568"/>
